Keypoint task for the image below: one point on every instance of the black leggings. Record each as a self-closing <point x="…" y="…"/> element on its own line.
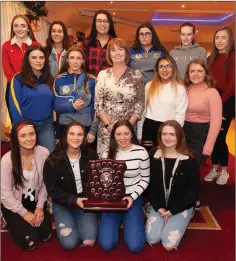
<point x="220" y="154"/>
<point x="22" y="232"/>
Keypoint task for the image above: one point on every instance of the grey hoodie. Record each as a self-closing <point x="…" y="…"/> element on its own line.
<point x="183" y="56"/>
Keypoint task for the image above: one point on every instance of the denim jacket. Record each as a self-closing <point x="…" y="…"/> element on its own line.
<point x="53" y="64"/>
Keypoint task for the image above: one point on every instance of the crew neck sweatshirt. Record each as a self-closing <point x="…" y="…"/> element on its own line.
<point x="225" y="78"/>
<point x="205" y="106"/>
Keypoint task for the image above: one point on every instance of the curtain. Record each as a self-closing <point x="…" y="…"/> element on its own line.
<point x="8" y="11"/>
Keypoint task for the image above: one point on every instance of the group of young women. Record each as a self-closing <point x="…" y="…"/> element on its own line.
<point x="138" y="102"/>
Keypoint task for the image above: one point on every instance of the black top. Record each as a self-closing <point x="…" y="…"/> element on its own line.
<point x="59" y="177"/>
<point x="184" y="189"/>
<point x="169" y="165"/>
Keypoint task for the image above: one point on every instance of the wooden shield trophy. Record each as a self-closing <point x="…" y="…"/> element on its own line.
<point x="105" y="188"/>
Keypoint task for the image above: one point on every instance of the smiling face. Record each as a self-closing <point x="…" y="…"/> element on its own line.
<point x="75" y="137"/>
<point x="186" y="36"/>
<point x="145" y="36"/>
<point x="222" y="41"/>
<point x="75" y="61"/>
<point x="102" y="24"/>
<point x="57" y="33"/>
<point x="36" y="60"/>
<point x="27" y="137"/>
<point x="196" y="73"/>
<point x="123" y="137"/>
<point x="168" y="137"/>
<point x="117" y="54"/>
<point x="165" y="70"/>
<point x="20" y="28"/>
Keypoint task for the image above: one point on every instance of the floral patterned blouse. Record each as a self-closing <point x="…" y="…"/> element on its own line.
<point x="119" y="100"/>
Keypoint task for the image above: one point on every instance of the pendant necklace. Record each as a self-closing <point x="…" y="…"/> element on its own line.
<point x="73" y="163"/>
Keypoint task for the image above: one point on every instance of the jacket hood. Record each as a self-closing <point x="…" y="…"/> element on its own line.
<point x="179" y="47"/>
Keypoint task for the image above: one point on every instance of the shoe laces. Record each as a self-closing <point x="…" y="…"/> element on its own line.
<point x="223" y="173"/>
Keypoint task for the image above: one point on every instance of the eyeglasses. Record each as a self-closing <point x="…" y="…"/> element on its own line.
<point x="167" y="67"/>
<point x="147" y="34"/>
<point x="105" y="21"/>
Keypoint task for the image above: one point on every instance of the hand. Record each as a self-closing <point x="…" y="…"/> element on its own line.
<point x="110" y="127"/>
<point x="30" y="218"/>
<point x="39" y="216"/>
<point x="80" y="203"/>
<point x="130" y="201"/>
<point x="166" y="215"/>
<point x="78" y="104"/>
<point x="90" y="138"/>
<point x="162" y="211"/>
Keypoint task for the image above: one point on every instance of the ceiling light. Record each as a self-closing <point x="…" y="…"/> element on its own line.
<point x="114" y="13"/>
<point x="111" y="2"/>
<point x="183" y="6"/>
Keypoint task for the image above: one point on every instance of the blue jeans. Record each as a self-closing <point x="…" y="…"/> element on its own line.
<point x="46" y="135"/>
<point x="74" y="226"/>
<point x="134" y="232"/>
<point x="170" y="233"/>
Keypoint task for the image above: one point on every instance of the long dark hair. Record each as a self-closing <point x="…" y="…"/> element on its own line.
<point x="62" y="144"/>
<point x="229" y="50"/>
<point x="17" y="170"/>
<point x="27" y="73"/>
<point x="93" y="33"/>
<point x="181" y="146"/>
<point x="113" y="147"/>
<point x="155" y="39"/>
<point x="208" y="78"/>
<point x="30" y="31"/>
<point x="49" y="41"/>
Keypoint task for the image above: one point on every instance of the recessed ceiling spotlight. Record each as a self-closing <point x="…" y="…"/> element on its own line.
<point x="111" y="2"/>
<point x="114" y="13"/>
<point x="182" y="6"/>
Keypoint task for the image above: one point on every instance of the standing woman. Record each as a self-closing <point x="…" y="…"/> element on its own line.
<point x="31" y="95"/>
<point x="123" y="146"/>
<point x="13" y="50"/>
<point x="222" y="67"/>
<point x="74" y="81"/>
<point x="95" y="46"/>
<point x="57" y="44"/>
<point x="174" y="187"/>
<point x="23" y="192"/>
<point x="146" y="49"/>
<point x="118" y="93"/>
<point x="165" y="99"/>
<point x="65" y="176"/>
<point x="204" y="112"/>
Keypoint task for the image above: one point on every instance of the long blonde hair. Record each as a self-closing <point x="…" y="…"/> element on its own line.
<point x="156" y="83"/>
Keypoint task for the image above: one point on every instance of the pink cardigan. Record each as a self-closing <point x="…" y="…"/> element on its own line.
<point x="10" y="196"/>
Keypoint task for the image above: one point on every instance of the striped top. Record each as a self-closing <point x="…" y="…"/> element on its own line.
<point x="137" y="175"/>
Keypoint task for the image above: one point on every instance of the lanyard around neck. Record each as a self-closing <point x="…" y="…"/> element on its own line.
<point x="167" y="191"/>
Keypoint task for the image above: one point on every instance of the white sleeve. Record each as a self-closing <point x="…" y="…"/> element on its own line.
<point x="181" y="105"/>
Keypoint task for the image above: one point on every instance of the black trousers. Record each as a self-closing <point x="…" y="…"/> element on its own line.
<point x="149" y="133"/>
<point x="196" y="134"/>
<point x="7" y="100"/>
<point x="220" y="154"/>
<point x="22" y="232"/>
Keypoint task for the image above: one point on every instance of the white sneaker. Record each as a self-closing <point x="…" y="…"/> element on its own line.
<point x="223" y="177"/>
<point x="213" y="174"/>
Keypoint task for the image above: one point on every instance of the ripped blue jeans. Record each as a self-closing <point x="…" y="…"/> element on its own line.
<point x="170" y="233"/>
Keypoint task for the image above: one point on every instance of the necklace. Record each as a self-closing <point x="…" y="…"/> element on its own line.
<point x="73" y="163"/>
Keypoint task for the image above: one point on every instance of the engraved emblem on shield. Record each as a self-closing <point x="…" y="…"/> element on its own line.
<point x="106" y="179"/>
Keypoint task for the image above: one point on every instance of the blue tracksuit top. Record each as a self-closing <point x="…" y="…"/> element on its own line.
<point x="68" y="87"/>
<point x="34" y="104"/>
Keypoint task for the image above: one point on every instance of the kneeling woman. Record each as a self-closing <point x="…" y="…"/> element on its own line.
<point x="123" y="146"/>
<point x="23" y="192"/>
<point x="174" y="187"/>
<point x="65" y="176"/>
